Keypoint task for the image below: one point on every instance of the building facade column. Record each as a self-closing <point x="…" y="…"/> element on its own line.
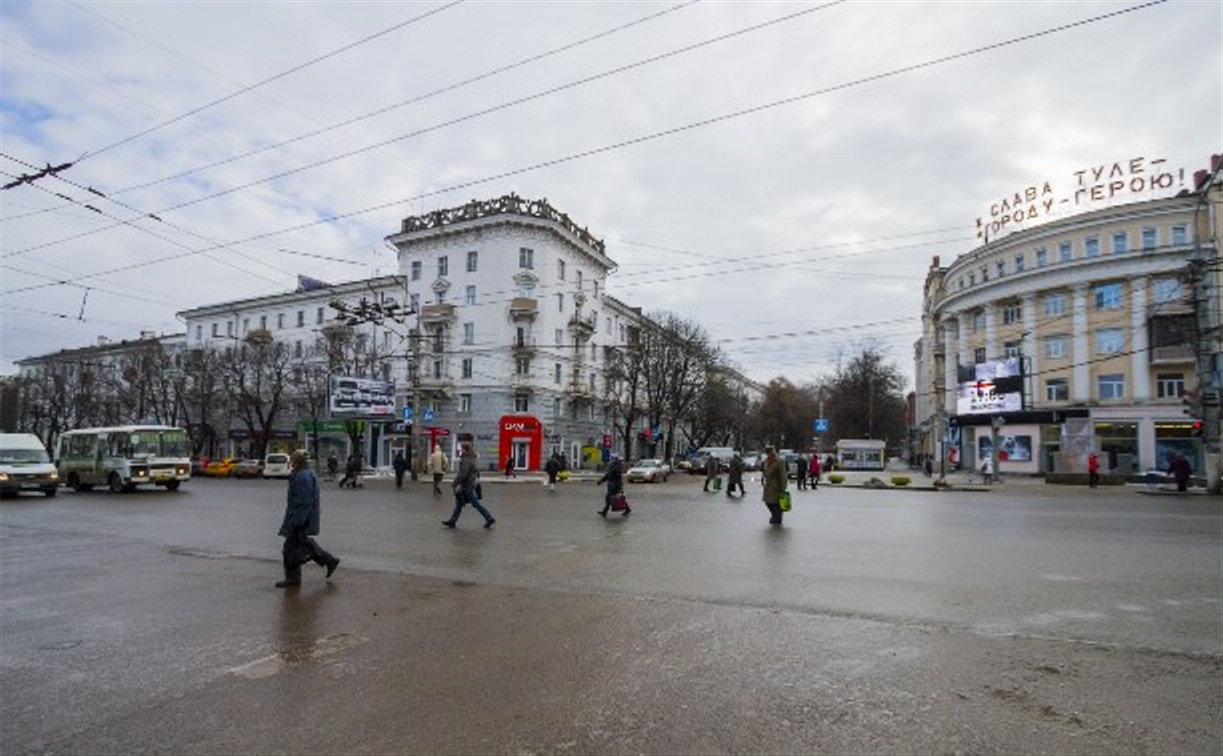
<point x="991" y="332"/>
<point x="951" y="355"/>
<point x="1140" y="342"/>
<point x="966" y="355"/>
<point x="1030" y="352"/>
<point x="1080" y="384"/>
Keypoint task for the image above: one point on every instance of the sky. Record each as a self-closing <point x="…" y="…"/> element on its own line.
<point x="781" y="173"/>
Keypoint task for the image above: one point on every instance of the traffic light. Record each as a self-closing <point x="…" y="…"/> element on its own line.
<point x="1198" y="429"/>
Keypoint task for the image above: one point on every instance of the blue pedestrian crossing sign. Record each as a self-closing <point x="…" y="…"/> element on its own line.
<point x="427" y="415"/>
<point x="821" y="425"/>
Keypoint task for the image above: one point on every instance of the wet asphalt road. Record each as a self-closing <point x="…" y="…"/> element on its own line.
<point x="1035" y="619"/>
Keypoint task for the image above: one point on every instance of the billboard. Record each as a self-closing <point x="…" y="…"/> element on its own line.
<point x="1010" y="448"/>
<point x="360" y="397"/>
<point x="990" y="387"/>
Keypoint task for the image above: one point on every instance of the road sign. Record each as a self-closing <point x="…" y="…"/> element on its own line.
<point x="407" y="414"/>
<point x="428" y="415"/>
<point x="821" y="425"/>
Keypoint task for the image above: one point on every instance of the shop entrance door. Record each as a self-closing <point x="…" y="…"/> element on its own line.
<point x="522" y="454"/>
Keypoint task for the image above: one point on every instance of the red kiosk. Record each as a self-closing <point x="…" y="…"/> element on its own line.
<point x="522" y="436"/>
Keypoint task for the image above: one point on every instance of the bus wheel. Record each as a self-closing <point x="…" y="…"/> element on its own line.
<point x="116" y="483"/>
<point x="172" y="485"/>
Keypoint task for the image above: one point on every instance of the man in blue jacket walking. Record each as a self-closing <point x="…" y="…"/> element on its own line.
<point x="300" y="522"/>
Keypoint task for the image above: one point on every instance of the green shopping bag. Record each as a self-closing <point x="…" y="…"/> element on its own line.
<point x="717" y="484"/>
<point x="783" y="503"/>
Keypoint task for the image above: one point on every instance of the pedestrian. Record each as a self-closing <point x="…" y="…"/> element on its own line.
<point x="467" y="488"/>
<point x="1181" y="470"/>
<point x="928" y="467"/>
<point x="553" y="468"/>
<point x="333" y="465"/>
<point x="830" y="463"/>
<point x="301" y="520"/>
<point x="509" y="467"/>
<point x="401" y="466"/>
<point x="987" y="470"/>
<point x="800" y="472"/>
<point x="813" y="470"/>
<point x="711" y="471"/>
<point x="735" y="476"/>
<point x="352" y="472"/>
<point x="614" y="478"/>
<point x="1093" y="469"/>
<point x="437" y="468"/>
<point x="774" y="479"/>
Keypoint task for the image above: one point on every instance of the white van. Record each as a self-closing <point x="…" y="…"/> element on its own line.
<point x="25" y="466"/>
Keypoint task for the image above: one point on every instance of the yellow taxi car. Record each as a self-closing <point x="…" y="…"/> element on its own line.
<point x="220" y="468"/>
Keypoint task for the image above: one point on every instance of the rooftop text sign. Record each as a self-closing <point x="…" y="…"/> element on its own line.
<point x="1086" y="186"/>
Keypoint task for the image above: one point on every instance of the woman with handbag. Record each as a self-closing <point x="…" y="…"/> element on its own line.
<point x="774" y="479"/>
<point x="614" y="477"/>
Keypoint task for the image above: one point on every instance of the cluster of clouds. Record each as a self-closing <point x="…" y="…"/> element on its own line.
<point x="810" y="217"/>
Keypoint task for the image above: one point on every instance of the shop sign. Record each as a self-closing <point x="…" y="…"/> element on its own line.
<point x="1086" y="186"/>
<point x="323" y="426"/>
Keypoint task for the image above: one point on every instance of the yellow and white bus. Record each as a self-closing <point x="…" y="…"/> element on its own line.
<point x="124" y="457"/>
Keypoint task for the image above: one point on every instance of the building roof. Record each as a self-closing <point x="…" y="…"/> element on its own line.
<point x="290" y="297"/>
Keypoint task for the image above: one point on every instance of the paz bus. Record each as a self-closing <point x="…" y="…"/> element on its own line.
<point x="124" y="457"/>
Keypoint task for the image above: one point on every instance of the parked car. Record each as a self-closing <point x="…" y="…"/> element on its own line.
<point x="220" y="468"/>
<point x="752" y="460"/>
<point x="649" y="471"/>
<point x="198" y="464"/>
<point x="247" y="468"/>
<point x="276" y="465"/>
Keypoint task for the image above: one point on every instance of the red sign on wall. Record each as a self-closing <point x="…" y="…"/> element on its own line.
<point x="521" y="428"/>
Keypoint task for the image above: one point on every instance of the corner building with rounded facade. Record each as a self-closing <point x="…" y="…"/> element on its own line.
<point x="1106" y="312"/>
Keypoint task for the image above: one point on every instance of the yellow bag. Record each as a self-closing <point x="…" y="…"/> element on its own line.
<point x="562" y="475"/>
<point x="783" y="503"/>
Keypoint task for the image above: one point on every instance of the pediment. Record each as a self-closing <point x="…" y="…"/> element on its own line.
<point x="440" y="285"/>
<point x="525" y="279"/>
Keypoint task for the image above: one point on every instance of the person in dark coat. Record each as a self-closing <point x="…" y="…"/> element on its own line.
<point x="352" y="472"/>
<point x="401" y="466"/>
<point x="509" y="467"/>
<point x="775" y="480"/>
<point x="1181" y="470"/>
<point x="553" y="468"/>
<point x="467" y="488"/>
<point x="735" y="476"/>
<point x="800" y="472"/>
<point x="614" y="478"/>
<point x="301" y="520"/>
<point x="333" y="466"/>
<point x="711" y="471"/>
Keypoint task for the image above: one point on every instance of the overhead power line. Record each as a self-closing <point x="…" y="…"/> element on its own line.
<point x="659" y="134"/>
<point x="288" y="71"/>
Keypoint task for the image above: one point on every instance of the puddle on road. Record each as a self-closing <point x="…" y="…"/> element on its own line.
<point x="296" y="656"/>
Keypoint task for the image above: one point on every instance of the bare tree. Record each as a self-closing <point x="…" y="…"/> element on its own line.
<point x="256" y="376"/>
<point x="676" y="355"/>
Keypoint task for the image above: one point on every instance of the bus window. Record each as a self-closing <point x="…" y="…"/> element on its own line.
<point x="145" y="443"/>
<point x="118" y="445"/>
<point x="174" y="443"/>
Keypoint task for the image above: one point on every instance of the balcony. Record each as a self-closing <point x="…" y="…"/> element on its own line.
<point x="582" y="326"/>
<point x="579" y="391"/>
<point x="522" y="384"/>
<point x="522" y="346"/>
<point x="1172" y="355"/>
<point x="524" y="308"/>
<point x="437" y="313"/>
<point x="443" y="384"/>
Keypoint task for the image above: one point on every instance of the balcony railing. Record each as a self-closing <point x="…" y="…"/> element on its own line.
<point x="1177" y="353"/>
<point x="522" y="344"/>
<point x="437" y="313"/>
<point x="524" y="307"/>
<point x="583" y="325"/>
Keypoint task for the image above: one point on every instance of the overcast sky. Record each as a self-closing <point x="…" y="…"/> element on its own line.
<point x="793" y="232"/>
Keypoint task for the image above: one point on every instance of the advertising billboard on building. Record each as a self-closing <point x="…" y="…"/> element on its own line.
<point x="360" y="397"/>
<point x="990" y="387"/>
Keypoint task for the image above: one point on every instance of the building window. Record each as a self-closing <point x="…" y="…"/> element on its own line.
<point x="560" y="336"/>
<point x="297" y="349"/>
<point x="972" y="279"/>
<point x="595" y="284"/>
<point x="473" y="261"/>
<point x="1092" y="246"/>
<point x="464" y="404"/>
<point x="1001" y="268"/>
<point x="1064" y="253"/>
<point x="978" y="355"/>
<point x="439" y="297"/>
<point x="560" y="302"/>
<point x="594" y="353"/>
<point x="437" y="368"/>
<point x="560" y="269"/>
<point x="199" y="333"/>
<point x="556" y="373"/>
<point x="466" y="367"/>
<point x="1148" y="238"/>
<point x="526" y="258"/>
<point x="416" y="270"/>
<point x="1055" y="347"/>
<point x="1110" y="340"/>
<point x="579" y="279"/>
<point x="1042" y="258"/>
<point x="470" y="295"/>
<point x="522" y="366"/>
<point x="1121" y="243"/>
<point x="386" y="340"/>
<point x="1057" y="390"/>
<point x="592" y="383"/>
<point x="1055" y="304"/>
<point x="1018" y="263"/>
<point x="978" y="320"/>
<point x="229" y="328"/>
<point x="522" y="403"/>
<point x="984" y="273"/>
<point x="246" y="325"/>
<point x="415" y="302"/>
<point x="1012" y="312"/>
<point x="1108" y="296"/>
<point x="1167" y="290"/>
<point x="280" y="321"/>
<point x="263" y="322"/>
<point x="1169" y="385"/>
<point x="1179" y="235"/>
<point x="469" y="333"/>
<point x="301" y="318"/>
<point x="443" y="266"/>
<point x="318" y="315"/>
<point x="1111" y="386"/>
<point x="1012" y="349"/>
